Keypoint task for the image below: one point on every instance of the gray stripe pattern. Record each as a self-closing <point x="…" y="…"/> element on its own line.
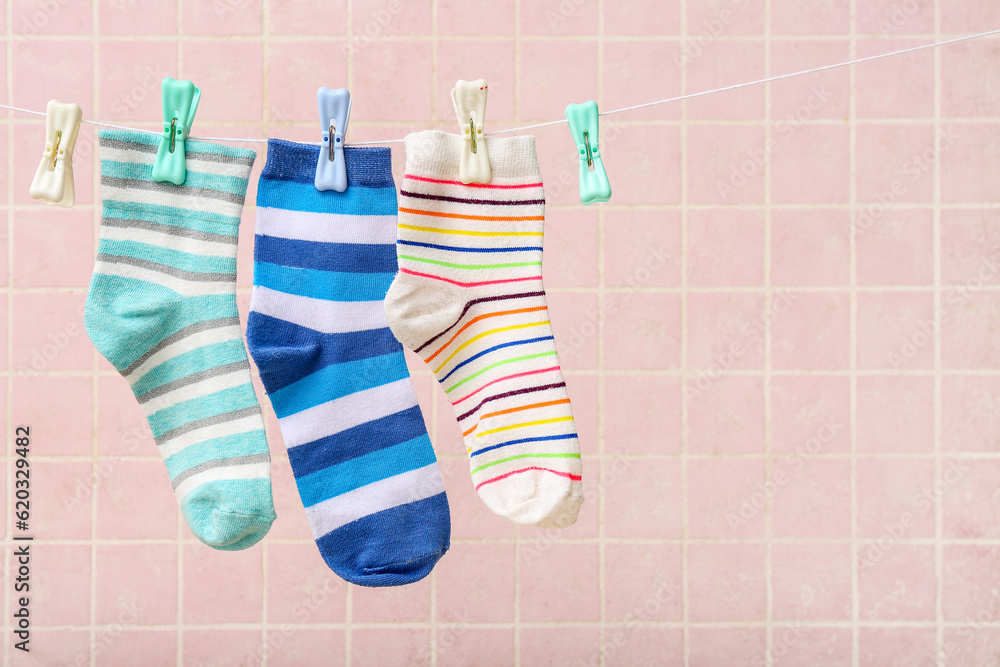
<point x="219" y="463"/>
<point x="118" y="144"/>
<point x="169" y="270"/>
<point x="170" y="188"/>
<point x="208" y="421"/>
<point x="178" y="335"/>
<point x="194" y="378"/>
<point x="133" y="223"/>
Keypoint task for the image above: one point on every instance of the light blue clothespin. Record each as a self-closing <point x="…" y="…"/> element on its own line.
<point x="583" y="124"/>
<point x="180" y="102"/>
<point x="334" y="114"/>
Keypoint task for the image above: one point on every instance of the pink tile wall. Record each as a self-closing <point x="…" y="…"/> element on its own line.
<point x="790" y="426"/>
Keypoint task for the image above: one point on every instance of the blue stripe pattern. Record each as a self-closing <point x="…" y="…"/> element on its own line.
<point x="371" y="488"/>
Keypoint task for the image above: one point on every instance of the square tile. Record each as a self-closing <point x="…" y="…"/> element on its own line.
<point x="725" y="248"/>
<point x="725" y="415"/>
<point x="55" y="248"/>
<point x="895" y="647"/>
<point x="644" y="250"/>
<point x="49" y="335"/>
<point x="810" y="415"/>
<point x="644" y="166"/>
<point x="455" y="60"/>
<point x="810" y="96"/>
<point x="551" y="17"/>
<point x="731" y="161"/>
<point x="641" y="330"/>
<point x="970" y="250"/>
<point x="643" y="646"/>
<point x="897" y="249"/>
<point x="811" y="498"/>
<point x="796" y="646"/>
<point x="725" y="331"/>
<point x="897" y="87"/>
<point x="42" y="69"/>
<point x="456" y="17"/>
<point x="726" y="498"/>
<point x="60" y="584"/>
<point x="642" y="582"/>
<point x="895" y="414"/>
<point x="969" y="415"/>
<point x="560" y="583"/>
<point x="625" y="72"/>
<point x="136" y="584"/>
<point x="895" y="498"/>
<point x="571" y="249"/>
<point x="642" y="414"/>
<point x="731" y="62"/>
<point x="895" y="165"/>
<point x="896" y="330"/>
<point x="810" y="247"/>
<point x="157" y="17"/>
<point x="814" y="17"/>
<point x="391" y="646"/>
<point x="559" y="646"/>
<point x="813" y="333"/>
<point x="155" y="648"/>
<point x="221" y="586"/>
<point x="811" y="582"/>
<point x="710" y="21"/>
<point x="574" y="317"/>
<point x="642" y="498"/>
<point x="226" y="647"/>
<point x="58" y="410"/>
<point x="396" y="604"/>
<point x="62" y="493"/>
<point x="965" y="330"/>
<point x="968" y="494"/>
<point x="305" y="646"/>
<point x="890" y="17"/>
<point x="726" y="582"/>
<point x="33" y="18"/>
<point x="966" y="162"/>
<point x="475" y="584"/>
<point x="301" y="588"/>
<point x="135" y="500"/>
<point x="486" y="647"/>
<point x="132" y="72"/>
<point x="969" y="574"/>
<point x="734" y="647"/>
<point x="896" y="582"/>
<point x="230" y="66"/>
<point x="823" y="150"/>
<point x="228" y="17"/>
<point x="294" y="67"/>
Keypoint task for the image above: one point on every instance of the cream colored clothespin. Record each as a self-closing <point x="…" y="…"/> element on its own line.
<point x="469" y="98"/>
<point x="53" y="182"/>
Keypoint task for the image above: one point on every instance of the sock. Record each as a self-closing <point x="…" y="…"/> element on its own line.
<point x="161" y="309"/>
<point x="336" y="376"/>
<point x="469" y="300"/>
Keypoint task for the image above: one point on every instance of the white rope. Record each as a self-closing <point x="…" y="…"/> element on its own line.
<point x="679" y="98"/>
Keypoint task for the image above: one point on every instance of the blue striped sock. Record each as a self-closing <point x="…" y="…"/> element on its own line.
<point x="334" y="372"/>
<point x="162" y="309"/>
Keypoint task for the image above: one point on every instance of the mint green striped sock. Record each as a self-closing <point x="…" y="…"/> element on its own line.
<point x="161" y="308"/>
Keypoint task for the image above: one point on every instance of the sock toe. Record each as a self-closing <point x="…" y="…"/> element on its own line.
<point x="230" y="515"/>
<point x="535" y="498"/>
<point x="390" y="548"/>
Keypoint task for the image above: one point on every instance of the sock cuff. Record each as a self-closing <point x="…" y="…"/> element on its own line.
<point x="435" y="154"/>
<point x="292" y="161"/>
<point x="150" y="143"/>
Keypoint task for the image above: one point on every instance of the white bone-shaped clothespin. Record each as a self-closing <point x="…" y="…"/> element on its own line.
<point x="469" y="98"/>
<point x="53" y="182"/>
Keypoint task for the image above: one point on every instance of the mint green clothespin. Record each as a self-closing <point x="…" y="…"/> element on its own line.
<point x="180" y="102"/>
<point x="583" y="122"/>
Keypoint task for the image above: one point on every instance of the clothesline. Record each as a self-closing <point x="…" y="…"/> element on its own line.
<point x="688" y="96"/>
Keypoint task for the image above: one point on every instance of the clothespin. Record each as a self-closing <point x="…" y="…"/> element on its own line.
<point x="583" y="122"/>
<point x="53" y="181"/>
<point x="180" y="102"/>
<point x="469" y="98"/>
<point x="334" y="114"/>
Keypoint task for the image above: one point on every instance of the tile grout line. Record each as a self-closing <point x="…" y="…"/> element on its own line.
<point x="602" y="561"/>
<point x="265" y="117"/>
<point x="938" y="499"/>
<point x="349" y="590"/>
<point x="683" y="209"/>
<point x="180" y="531"/>
<point x="517" y="529"/>
<point x="9" y="324"/>
<point x="94" y="397"/>
<point x="768" y="353"/>
<point x="853" y="326"/>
